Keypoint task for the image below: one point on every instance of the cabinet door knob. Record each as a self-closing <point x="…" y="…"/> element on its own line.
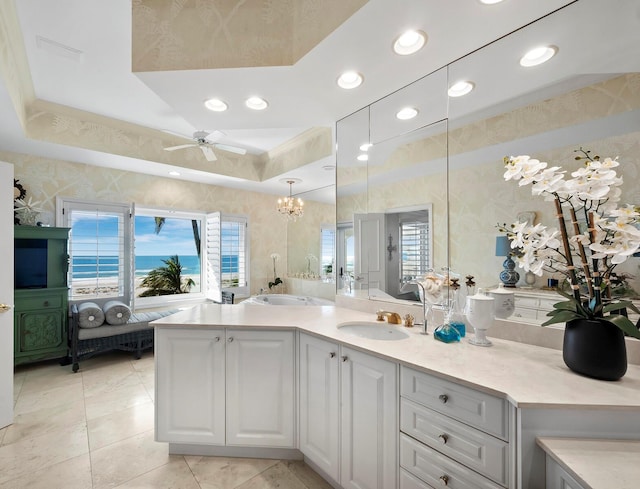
<point x="443" y="438"/>
<point x="46" y="304"/>
<point x="444" y="480"/>
<point x="217" y="338"/>
<point x="332" y="354"/>
<point x="5" y="307"/>
<point x="444" y="398"/>
<point x="230" y="339"/>
<point x="345" y="358"/>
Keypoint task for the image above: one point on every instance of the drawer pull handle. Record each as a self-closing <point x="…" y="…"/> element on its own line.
<point x="444" y="398"/>
<point x="230" y="339"/>
<point x="217" y="339"/>
<point x="444" y="480"/>
<point x="345" y="358"/>
<point x="332" y="354"/>
<point x="443" y="438"/>
<point x="46" y="303"/>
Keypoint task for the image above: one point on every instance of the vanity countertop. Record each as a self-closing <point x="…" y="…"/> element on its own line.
<point x="596" y="464"/>
<point x="526" y="375"/>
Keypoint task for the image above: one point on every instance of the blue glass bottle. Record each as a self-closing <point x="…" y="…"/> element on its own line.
<point x="446" y="332"/>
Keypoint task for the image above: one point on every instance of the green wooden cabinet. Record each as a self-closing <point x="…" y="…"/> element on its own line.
<point x="40" y="293"/>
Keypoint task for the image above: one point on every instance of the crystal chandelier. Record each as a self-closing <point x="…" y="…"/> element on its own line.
<point x="291" y="207"/>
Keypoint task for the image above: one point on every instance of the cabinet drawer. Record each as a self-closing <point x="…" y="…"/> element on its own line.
<point x="521" y="312"/>
<point x="47" y="302"/>
<point x="437" y="469"/>
<point x="408" y="481"/>
<point x="471" y="447"/>
<point x="480" y="410"/>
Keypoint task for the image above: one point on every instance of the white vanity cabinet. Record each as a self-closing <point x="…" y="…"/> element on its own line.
<point x="452" y="435"/>
<point x="225" y="387"/>
<point x="558" y="478"/>
<point x="320" y="403"/>
<point x="348" y="414"/>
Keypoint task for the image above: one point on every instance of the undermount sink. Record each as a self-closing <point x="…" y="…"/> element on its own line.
<point x="373" y="330"/>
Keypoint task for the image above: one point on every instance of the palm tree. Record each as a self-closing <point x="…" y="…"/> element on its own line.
<point x="166" y="280"/>
<point x="159" y="221"/>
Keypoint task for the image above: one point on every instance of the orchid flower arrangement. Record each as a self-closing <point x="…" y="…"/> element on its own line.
<point x="585" y="254"/>
<point x="275" y="257"/>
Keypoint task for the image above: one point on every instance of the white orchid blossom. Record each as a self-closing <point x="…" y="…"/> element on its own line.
<point x="593" y="191"/>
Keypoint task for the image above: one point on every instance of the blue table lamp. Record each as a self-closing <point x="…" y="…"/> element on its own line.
<point x="509" y="277"/>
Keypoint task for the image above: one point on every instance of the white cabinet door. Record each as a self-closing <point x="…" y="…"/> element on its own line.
<point x="260" y="388"/>
<point x="190" y="380"/>
<point x="319" y="403"/>
<point x="369" y="421"/>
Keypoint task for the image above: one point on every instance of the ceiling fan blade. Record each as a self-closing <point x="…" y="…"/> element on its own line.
<point x="231" y="149"/>
<point x="173" y="148"/>
<point x="208" y="153"/>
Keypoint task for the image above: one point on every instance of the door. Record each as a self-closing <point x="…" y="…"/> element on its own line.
<point x="319" y="403"/>
<point x="369" y="256"/>
<point x="6" y="295"/>
<point x="369" y="421"/>
<point x="190" y="379"/>
<point x="260" y="388"/>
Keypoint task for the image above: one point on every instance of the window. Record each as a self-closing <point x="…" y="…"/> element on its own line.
<point x="167" y="255"/>
<point x="415" y="244"/>
<point x="327" y="249"/>
<point x="99" y="249"/>
<point x="104" y="265"/>
<point x="227" y="255"/>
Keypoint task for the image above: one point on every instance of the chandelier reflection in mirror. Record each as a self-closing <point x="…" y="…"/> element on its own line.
<point x="291" y="207"/>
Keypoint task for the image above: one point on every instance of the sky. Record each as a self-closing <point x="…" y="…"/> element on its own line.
<point x="175" y="237"/>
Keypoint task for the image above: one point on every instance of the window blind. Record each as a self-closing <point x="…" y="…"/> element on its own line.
<point x="99" y="254"/>
<point x="415" y="249"/>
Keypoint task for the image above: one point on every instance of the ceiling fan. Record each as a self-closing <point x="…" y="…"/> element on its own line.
<point x="206" y="142"/>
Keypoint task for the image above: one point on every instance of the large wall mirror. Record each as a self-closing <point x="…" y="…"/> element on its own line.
<point x="587" y="96"/>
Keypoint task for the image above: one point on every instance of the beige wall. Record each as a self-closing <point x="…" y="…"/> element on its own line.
<point x="44" y="179"/>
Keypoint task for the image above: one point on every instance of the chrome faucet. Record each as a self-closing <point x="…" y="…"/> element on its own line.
<point x="392" y="317"/>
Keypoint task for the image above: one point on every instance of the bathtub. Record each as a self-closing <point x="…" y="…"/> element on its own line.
<point x="287" y="300"/>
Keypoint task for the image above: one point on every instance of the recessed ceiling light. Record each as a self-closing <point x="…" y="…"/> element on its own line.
<point x="407" y="113"/>
<point x="490" y="2"/>
<point x="460" y="88"/>
<point x="174" y="173"/>
<point x="350" y="79"/>
<point x="216" y="105"/>
<point x="363" y="157"/>
<point x="538" y="56"/>
<point x="365" y="146"/>
<point x="409" y="42"/>
<point x="256" y="103"/>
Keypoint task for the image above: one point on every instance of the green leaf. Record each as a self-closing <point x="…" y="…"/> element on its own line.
<point x="566" y="306"/>
<point x="560" y="316"/>
<point x="624" y="324"/>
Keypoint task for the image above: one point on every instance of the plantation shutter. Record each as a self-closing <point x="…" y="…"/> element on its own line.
<point x="327" y="247"/>
<point x="99" y="250"/>
<point x="213" y="289"/>
<point x="227" y="255"/>
<point x="415" y="248"/>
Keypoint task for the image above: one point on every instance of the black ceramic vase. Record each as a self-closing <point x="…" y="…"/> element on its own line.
<point x="595" y="348"/>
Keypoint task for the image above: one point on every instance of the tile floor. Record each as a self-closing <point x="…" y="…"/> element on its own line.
<point x="94" y="430"/>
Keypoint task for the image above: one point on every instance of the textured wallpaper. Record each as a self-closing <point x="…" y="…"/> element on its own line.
<point x="44" y="179"/>
<point x="200" y="34"/>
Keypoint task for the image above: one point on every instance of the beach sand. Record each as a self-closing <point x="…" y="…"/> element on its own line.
<point x="109" y="286"/>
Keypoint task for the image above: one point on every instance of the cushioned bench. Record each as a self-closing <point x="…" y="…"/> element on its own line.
<point x="135" y="335"/>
